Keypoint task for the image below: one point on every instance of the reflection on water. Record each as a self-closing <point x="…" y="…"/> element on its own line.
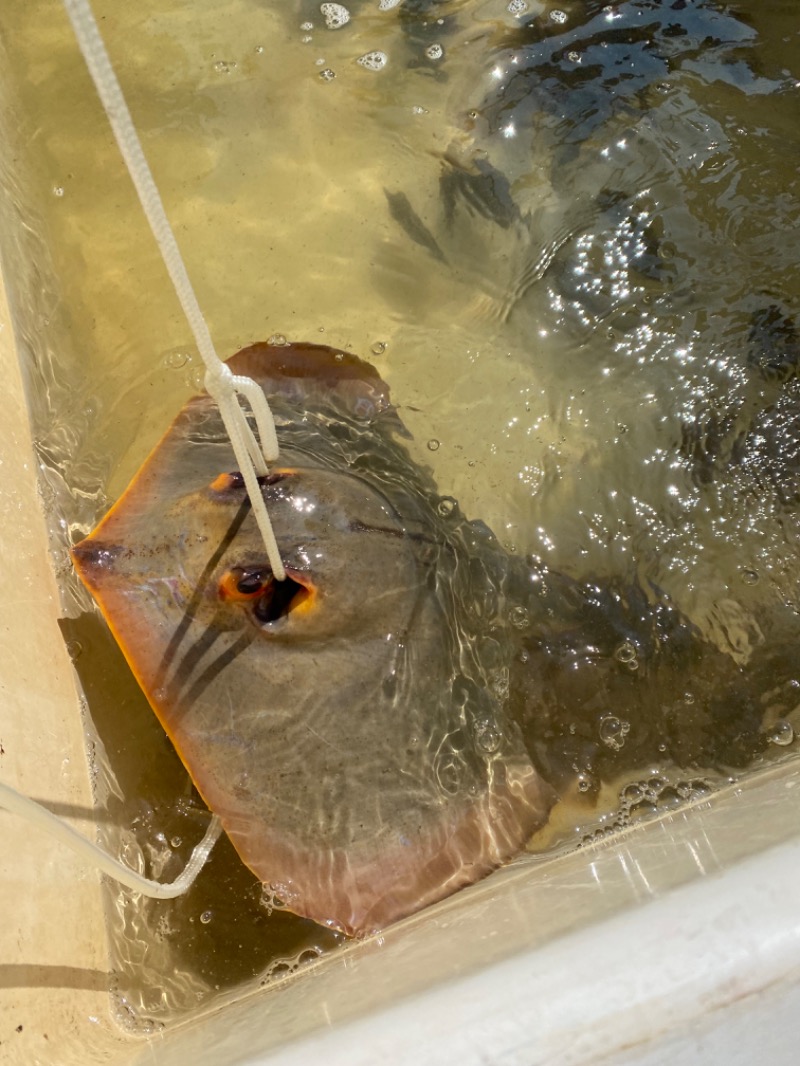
<point x="566" y="234"/>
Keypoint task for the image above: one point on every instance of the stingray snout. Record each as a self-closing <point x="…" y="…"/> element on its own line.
<point x="95" y="557"/>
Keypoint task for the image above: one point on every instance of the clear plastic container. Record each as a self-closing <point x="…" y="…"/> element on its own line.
<point x="677" y="940"/>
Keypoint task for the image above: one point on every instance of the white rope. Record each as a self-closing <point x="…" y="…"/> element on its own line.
<point x="224" y="386"/>
<point x="249" y="457"/>
<point x="38" y="815"/>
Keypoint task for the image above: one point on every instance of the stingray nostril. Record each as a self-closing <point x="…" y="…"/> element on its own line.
<point x="279" y="599"/>
<point x="270" y="599"/>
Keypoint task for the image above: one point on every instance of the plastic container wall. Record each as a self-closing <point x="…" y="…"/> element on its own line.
<point x="678" y="940"/>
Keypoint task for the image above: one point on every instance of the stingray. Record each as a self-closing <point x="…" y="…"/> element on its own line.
<point x="348" y="725"/>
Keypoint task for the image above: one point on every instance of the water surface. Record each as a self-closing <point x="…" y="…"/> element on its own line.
<point x="567" y="236"/>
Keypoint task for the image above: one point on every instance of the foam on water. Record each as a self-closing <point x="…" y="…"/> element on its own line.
<point x="335" y="15"/>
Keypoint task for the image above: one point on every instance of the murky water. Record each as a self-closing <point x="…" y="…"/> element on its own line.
<point x="567" y="236"/>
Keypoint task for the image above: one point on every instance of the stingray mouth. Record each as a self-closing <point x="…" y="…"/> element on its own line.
<point x="269" y="600"/>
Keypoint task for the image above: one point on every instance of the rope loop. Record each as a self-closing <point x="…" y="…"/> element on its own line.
<point x="224" y="388"/>
<point x="36" y="814"/>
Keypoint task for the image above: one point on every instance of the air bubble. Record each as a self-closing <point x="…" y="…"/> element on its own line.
<point x="275" y="970"/>
<point x="175" y="842"/>
<point x="196" y="378"/>
<point x="433" y="445"/>
<point x="643" y="799"/>
<point x="519" y="618"/>
<point x="373" y="60"/>
<point x="487" y="738"/>
<point x="434" y="51"/>
<point x="631" y="794"/>
<point x="613" y="731"/>
<point x="284" y="967"/>
<point x="163" y="929"/>
<point x="269" y="899"/>
<point x="625" y="653"/>
<point x="327" y="74"/>
<point x="586" y="783"/>
<point x="175" y="360"/>
<point x="74" y="649"/>
<point x="646" y="808"/>
<point x="379" y="347"/>
<point x="750" y="577"/>
<point x="335" y="15"/>
<point x="782" y="733"/>
<point x="669" y="798"/>
<point x="446" y="506"/>
<point x="206" y="917"/>
<point x="688" y="790"/>
<point x="278" y="340"/>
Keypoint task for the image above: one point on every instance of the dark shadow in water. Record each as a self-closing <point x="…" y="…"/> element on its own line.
<point x="219" y="930"/>
<point x="614" y="679"/>
<point x="27" y="975"/>
<point x="72" y="810"/>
